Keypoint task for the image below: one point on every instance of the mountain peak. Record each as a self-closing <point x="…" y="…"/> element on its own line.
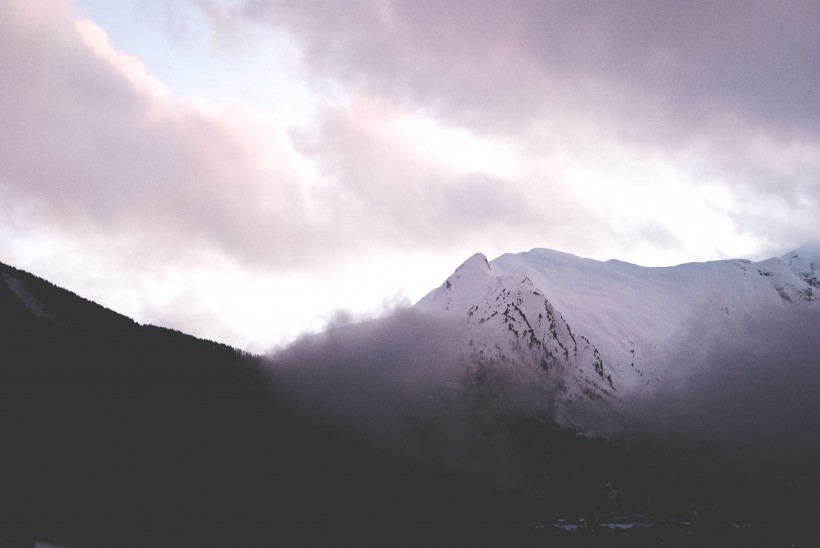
<point x="458" y="289"/>
<point x="628" y="315"/>
<point x="478" y="262"/>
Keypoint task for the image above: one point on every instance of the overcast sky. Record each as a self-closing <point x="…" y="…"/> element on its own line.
<point x="241" y="169"/>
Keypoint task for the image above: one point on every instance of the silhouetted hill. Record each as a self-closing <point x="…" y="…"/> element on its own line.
<point x="120" y="434"/>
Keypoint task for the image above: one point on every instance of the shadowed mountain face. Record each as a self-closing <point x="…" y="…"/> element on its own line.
<point x="112" y="428"/>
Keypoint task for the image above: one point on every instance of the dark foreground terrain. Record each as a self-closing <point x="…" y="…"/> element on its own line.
<point x="119" y="434"/>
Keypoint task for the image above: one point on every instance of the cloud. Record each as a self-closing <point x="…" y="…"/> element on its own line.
<point x="94" y="144"/>
<point x="742" y="389"/>
<point x="398" y="385"/>
<point x="735" y="401"/>
<point x="390" y="188"/>
<point x="728" y="92"/>
<point x="753" y="61"/>
<point x="433" y="128"/>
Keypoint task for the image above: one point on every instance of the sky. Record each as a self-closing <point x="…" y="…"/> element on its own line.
<point x="248" y="170"/>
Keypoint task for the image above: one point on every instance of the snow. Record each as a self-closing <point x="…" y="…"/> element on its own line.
<point x="504" y="318"/>
<point x="805" y="262"/>
<point x="805" y="257"/>
<point x="630" y="313"/>
<point x="613" y="322"/>
<point x="30" y="302"/>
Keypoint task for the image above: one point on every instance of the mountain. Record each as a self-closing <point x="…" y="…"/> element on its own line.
<point x="528" y="389"/>
<point x="115" y="430"/>
<point x="602" y="331"/>
<point x="120" y="434"/>
<point x="703" y="376"/>
<point x="595" y="387"/>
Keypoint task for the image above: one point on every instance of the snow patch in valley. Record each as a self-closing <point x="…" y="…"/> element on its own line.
<point x="29" y="301"/>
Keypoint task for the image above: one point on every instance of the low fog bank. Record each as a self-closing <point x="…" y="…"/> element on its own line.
<point x="740" y="402"/>
<point x="737" y="407"/>
<point x="400" y="385"/>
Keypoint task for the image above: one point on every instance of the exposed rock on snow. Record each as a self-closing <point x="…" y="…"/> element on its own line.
<point x="595" y="330"/>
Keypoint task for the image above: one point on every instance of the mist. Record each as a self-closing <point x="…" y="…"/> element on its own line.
<point x="400" y="385"/>
<point x="738" y="400"/>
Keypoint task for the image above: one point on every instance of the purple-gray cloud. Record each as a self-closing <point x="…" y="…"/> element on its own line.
<point x="90" y="151"/>
<point x="729" y="92"/>
<point x="732" y="88"/>
<point x="407" y="199"/>
<point x="501" y="62"/>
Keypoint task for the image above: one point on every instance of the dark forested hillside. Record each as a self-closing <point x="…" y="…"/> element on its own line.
<point x="64" y="356"/>
<point x="109" y="427"/>
<point x="119" y="434"/>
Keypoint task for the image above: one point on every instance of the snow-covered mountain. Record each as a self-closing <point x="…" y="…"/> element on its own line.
<point x="599" y="330"/>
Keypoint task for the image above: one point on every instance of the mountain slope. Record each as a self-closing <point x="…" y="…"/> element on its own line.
<point x="115" y="429"/>
<point x="628" y="316"/>
<point x="594" y="386"/>
<point x="505" y="319"/>
<point x="120" y="434"/>
<point x="107" y="424"/>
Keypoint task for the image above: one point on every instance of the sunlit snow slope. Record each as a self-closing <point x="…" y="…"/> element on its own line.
<point x="599" y="329"/>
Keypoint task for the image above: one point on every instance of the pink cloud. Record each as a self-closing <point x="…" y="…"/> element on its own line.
<point x="702" y="81"/>
<point x="93" y="144"/>
<point x="500" y="62"/>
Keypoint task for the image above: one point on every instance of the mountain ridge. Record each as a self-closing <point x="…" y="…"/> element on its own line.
<point x="630" y="317"/>
<point x="490" y="387"/>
